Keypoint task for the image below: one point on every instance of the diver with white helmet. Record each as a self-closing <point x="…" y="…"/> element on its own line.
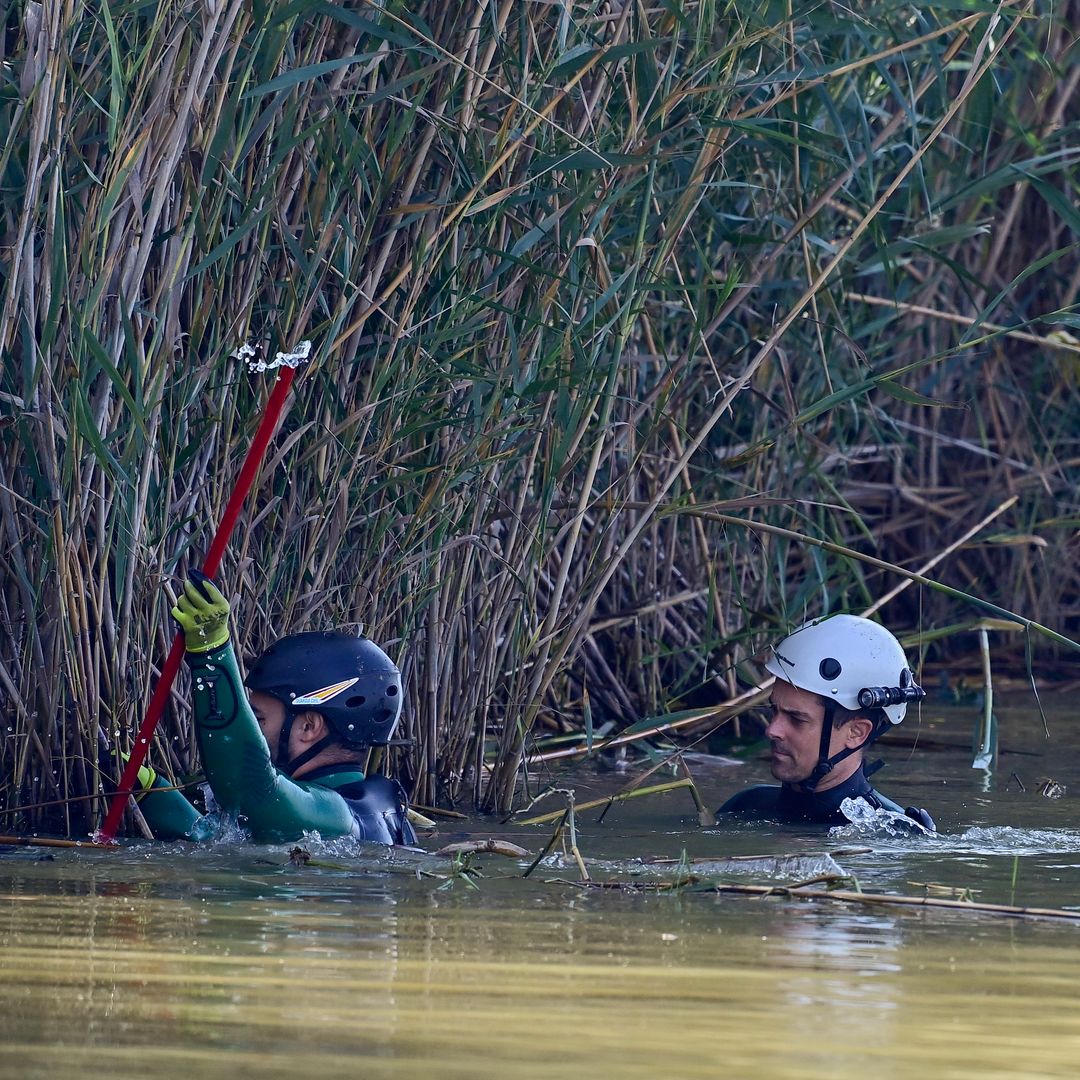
<point x="840" y="683"/>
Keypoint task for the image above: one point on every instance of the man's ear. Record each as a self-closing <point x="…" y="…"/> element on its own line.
<point x="310" y="726"/>
<point x="857" y="730"/>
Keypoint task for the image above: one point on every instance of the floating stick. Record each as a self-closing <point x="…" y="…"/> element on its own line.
<point x="621" y="796"/>
<point x="47" y="841"/>
<point x="971" y="907"/>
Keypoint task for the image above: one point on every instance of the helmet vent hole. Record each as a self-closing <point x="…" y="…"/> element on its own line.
<point x="829" y="668"/>
<point x="355" y="702"/>
<point x="391" y="691"/>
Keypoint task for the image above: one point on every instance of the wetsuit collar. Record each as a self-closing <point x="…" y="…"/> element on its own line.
<point x="799" y="802"/>
<point x="336" y="776"/>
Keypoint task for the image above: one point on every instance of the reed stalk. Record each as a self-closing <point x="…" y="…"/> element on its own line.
<point x="641" y="333"/>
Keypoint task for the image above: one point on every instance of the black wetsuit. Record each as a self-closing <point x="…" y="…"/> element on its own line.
<point x="788" y="805"/>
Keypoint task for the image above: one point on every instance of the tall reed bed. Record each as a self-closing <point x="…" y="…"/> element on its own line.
<point x="576" y="275"/>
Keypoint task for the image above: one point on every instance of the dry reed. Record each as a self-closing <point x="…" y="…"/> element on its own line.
<point x="592" y="287"/>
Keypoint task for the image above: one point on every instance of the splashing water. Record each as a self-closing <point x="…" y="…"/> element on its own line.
<point x="243" y="352"/>
<point x="884" y="825"/>
<point x="218" y="828"/>
<point x="866" y="819"/>
<point x="1007" y="840"/>
<point x="248" y="352"/>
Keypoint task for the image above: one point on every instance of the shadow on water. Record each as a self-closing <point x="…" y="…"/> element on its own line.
<point x="230" y="961"/>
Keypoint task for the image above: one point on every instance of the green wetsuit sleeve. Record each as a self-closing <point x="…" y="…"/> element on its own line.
<point x="169" y="815"/>
<point x="237" y="761"/>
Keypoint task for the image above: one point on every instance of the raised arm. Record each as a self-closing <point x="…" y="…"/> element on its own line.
<point x="234" y="753"/>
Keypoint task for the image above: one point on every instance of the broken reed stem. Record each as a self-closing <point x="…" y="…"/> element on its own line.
<point x="622" y="796"/>
<point x="552" y="841"/>
<point x="438" y="811"/>
<point x="573" y="842"/>
<point x="806" y="891"/>
<point x="567" y="823"/>
<point x="47" y="841"/>
<point x="903" y="308"/>
<point x="628" y="886"/>
<point x="73" y="799"/>
<point x="727" y="709"/>
<point x="945" y="552"/>
<point x="705" y="815"/>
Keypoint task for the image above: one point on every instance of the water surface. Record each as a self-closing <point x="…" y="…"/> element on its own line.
<point x="229" y="961"/>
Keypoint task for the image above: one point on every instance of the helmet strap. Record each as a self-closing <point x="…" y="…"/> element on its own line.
<point x="826" y="764"/>
<point x="283" y="737"/>
<point x="308" y="754"/>
<point x="289" y="765"/>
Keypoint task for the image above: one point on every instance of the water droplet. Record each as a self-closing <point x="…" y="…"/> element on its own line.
<point x="242" y="352"/>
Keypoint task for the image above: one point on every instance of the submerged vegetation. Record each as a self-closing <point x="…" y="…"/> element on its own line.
<point x="592" y="288"/>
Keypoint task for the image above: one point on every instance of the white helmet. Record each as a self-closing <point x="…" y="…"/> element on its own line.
<point x="850" y="660"/>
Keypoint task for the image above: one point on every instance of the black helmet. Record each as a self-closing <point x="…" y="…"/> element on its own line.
<point x="349" y="680"/>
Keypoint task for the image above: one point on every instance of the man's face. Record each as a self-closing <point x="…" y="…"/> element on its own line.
<point x="271" y="715"/>
<point x="794" y="731"/>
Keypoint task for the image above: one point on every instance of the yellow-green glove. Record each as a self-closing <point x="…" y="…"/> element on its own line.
<point x="203" y="614"/>
<point x="146" y="775"/>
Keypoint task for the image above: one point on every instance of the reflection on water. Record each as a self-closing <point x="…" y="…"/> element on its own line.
<point x="227" y="961"/>
<point x="288" y="973"/>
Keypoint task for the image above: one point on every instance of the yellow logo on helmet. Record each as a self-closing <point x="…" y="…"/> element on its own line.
<point x="321" y="697"/>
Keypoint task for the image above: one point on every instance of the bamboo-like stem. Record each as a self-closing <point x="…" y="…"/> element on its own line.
<point x="987" y="741"/>
<point x="842" y="896"/>
<point x="565" y="277"/>
<point x="942" y="555"/>
<point x="902" y="307"/>
<point x="49" y="841"/>
<point x="622" y="796"/>
<point x="881" y="564"/>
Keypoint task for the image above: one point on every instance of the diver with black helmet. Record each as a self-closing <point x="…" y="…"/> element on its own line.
<point x="841" y="682"/>
<point x="291" y="759"/>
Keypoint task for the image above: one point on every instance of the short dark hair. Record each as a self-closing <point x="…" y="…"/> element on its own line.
<point x="842" y="716"/>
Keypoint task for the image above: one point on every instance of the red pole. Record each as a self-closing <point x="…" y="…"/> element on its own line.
<point x="254" y="458"/>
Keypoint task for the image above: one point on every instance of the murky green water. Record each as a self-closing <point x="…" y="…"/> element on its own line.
<point x="229" y="962"/>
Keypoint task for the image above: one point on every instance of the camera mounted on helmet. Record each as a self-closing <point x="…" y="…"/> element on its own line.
<point x="850" y="663"/>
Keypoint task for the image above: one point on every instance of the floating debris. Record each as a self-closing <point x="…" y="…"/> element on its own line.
<point x="955" y="892"/>
<point x="966" y="907"/>
<point x="484" y="847"/>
